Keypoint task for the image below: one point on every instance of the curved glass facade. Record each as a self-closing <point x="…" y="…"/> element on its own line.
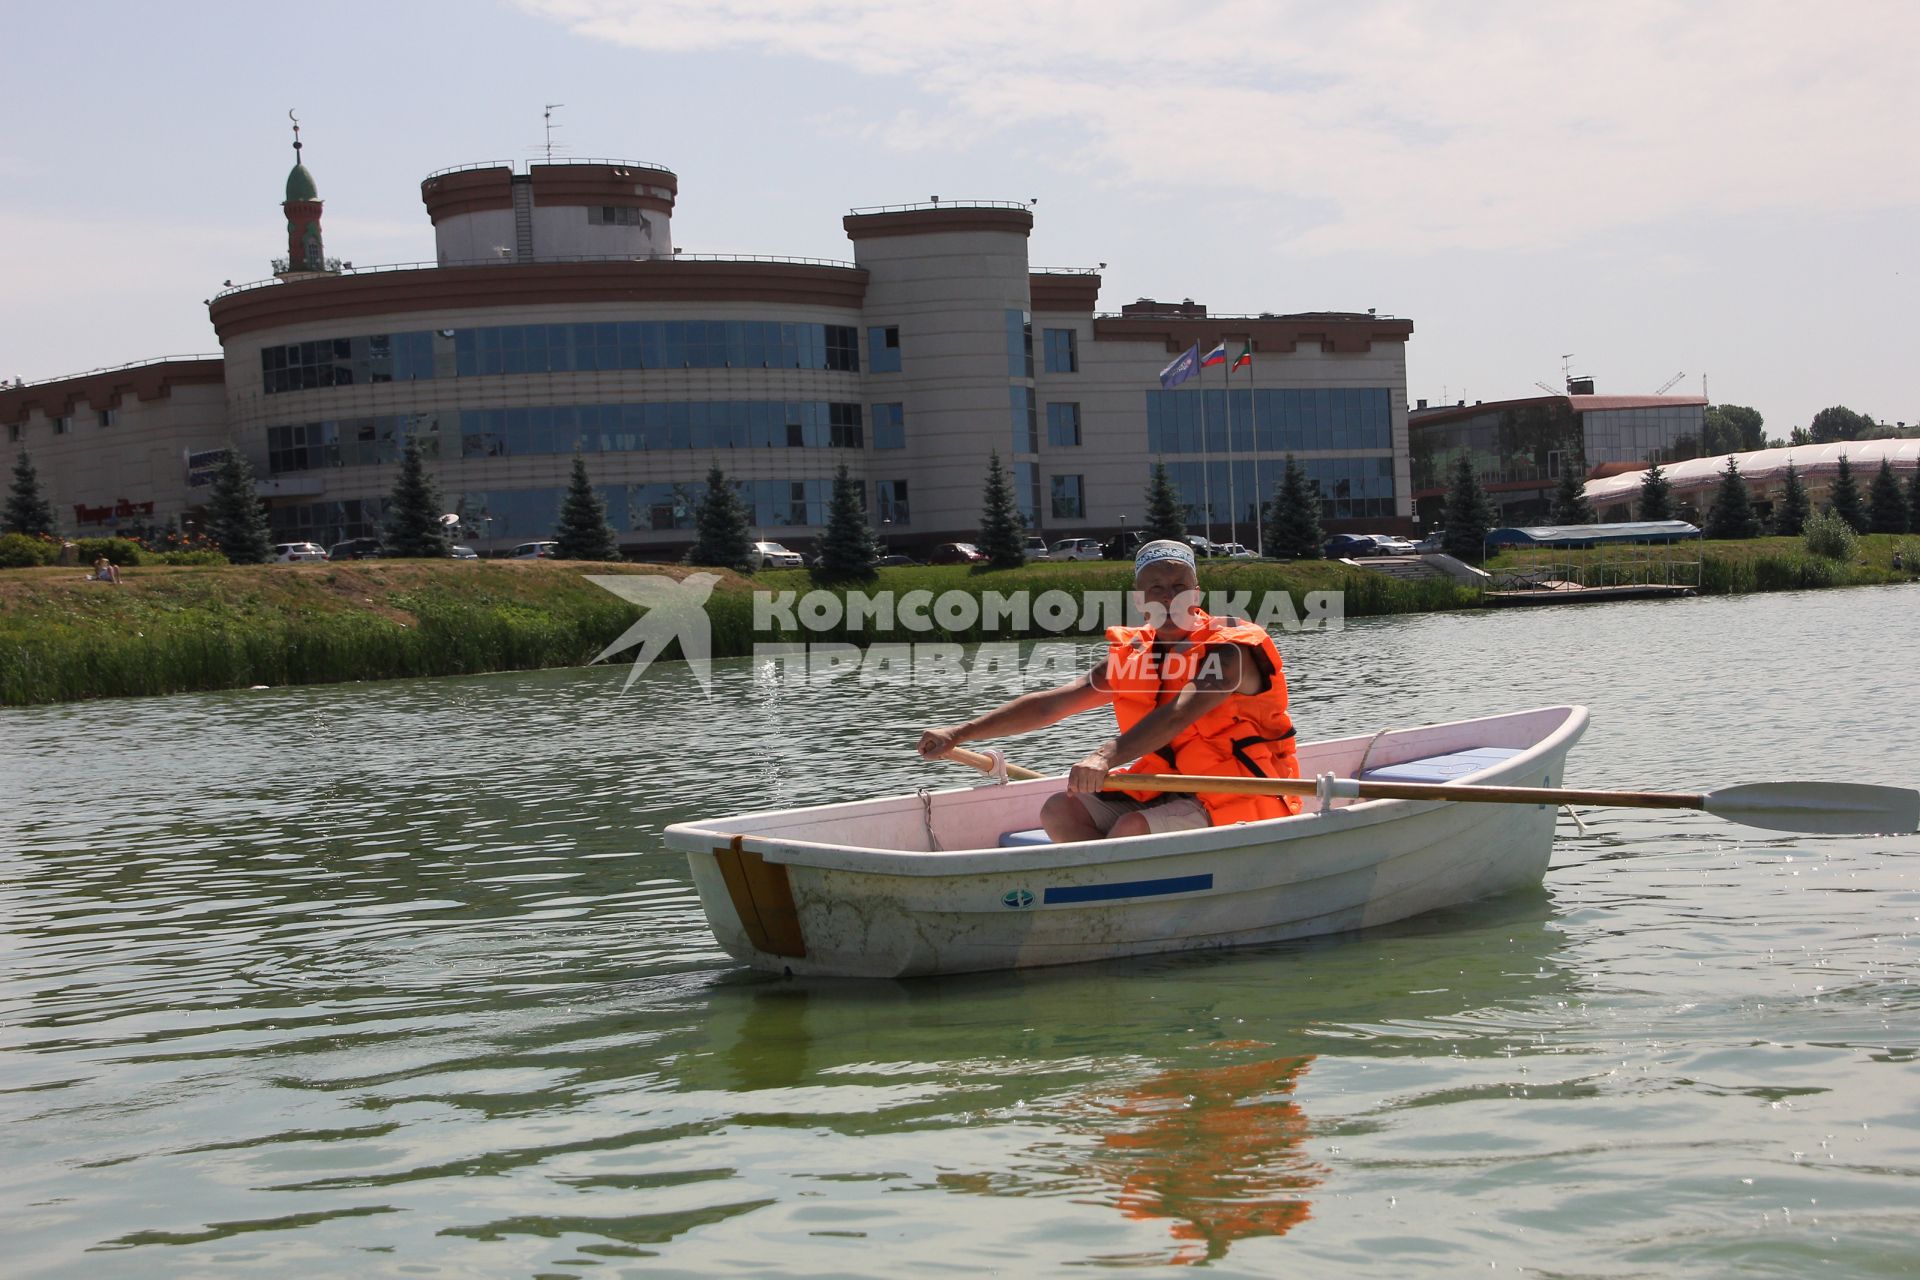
<point x="558" y="348"/>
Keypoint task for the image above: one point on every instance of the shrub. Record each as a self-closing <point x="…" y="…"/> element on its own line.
<point x="1830" y="535"/>
<point x="23" y="551"/>
<point x="122" y="551"/>
<point x="198" y="555"/>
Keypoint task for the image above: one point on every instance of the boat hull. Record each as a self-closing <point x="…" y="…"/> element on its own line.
<point x="783" y="901"/>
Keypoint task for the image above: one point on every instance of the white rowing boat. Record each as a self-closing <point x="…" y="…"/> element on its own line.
<point x="960" y="881"/>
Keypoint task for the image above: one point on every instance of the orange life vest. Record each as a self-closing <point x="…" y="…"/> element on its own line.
<point x="1248" y="735"/>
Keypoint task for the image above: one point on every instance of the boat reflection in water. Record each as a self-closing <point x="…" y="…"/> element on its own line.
<point x="1172" y="1091"/>
<point x="1218" y="1150"/>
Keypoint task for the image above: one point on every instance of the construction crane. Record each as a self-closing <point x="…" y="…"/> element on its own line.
<point x="1668" y="384"/>
<point x="1552" y="391"/>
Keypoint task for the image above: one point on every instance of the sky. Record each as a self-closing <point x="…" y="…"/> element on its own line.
<point x="1722" y="191"/>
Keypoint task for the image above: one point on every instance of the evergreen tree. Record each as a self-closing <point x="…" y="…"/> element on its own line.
<point x="1293" y="517"/>
<point x="723" y="536"/>
<point x="1656" y="495"/>
<point x="1570" y="505"/>
<point x="1731" y="515"/>
<point x="235" y="519"/>
<point x="1790" y="516"/>
<point x="1886" y="505"/>
<point x="1002" y="531"/>
<point x="583" y="532"/>
<point x="1844" y="497"/>
<point x="1467" y="518"/>
<point x="413" y="527"/>
<point x="1913" y="503"/>
<point x="1163" y="508"/>
<point x="28" y="510"/>
<point x="847" y="547"/>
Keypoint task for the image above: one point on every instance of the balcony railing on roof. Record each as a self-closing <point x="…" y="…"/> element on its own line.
<point x="348" y="269"/>
<point x="112" y="368"/>
<point x="940" y="204"/>
<point x="521" y="166"/>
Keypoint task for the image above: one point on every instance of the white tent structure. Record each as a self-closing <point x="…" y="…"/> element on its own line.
<point x="1817" y="464"/>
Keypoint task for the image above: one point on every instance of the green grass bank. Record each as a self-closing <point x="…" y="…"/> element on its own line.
<point x="173" y="629"/>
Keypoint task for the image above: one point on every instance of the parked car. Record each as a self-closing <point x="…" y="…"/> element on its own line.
<point x="459" y="552"/>
<point x="1202" y="547"/>
<point x="291" y="552"/>
<point x="893" y="560"/>
<point x="1388" y="545"/>
<point x="1236" y="551"/>
<point x="1078" y="549"/>
<point x="533" y="551"/>
<point x="355" y="549"/>
<point x="956" y="553"/>
<point x="771" y="555"/>
<point x="1037" y="549"/>
<point x="1432" y="544"/>
<point x="1342" y="546"/>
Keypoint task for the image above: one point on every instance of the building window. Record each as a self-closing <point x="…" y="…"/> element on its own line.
<point x="843" y="423"/>
<point x="883" y="349"/>
<point x="1061" y="355"/>
<point x="1067" y="504"/>
<point x="1026" y="491"/>
<point x="889" y="426"/>
<point x="1019" y="344"/>
<point x="108" y="417"/>
<point x="62" y="425"/>
<point x="893" y="502"/>
<point x="1063" y="425"/>
<point x="1026" y="420"/>
<point x="13" y="433"/>
<point x="843" y="348"/>
<point x="612" y="215"/>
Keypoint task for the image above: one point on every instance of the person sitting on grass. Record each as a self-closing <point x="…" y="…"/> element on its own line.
<point x="104" y="570"/>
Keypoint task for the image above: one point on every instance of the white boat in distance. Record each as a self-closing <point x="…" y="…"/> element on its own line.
<point x="961" y="881"/>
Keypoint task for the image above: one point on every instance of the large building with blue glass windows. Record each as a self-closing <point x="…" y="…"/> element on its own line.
<point x="559" y="318"/>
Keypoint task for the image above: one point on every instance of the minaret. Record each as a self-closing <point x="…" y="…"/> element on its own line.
<point x="305" y="252"/>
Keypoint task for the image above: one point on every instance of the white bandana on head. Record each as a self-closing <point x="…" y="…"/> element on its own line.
<point x="1164" y="549"/>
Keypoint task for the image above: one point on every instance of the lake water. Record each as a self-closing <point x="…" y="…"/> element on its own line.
<point x="398" y="979"/>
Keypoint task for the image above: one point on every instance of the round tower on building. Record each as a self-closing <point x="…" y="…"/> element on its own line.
<point x="306" y="251"/>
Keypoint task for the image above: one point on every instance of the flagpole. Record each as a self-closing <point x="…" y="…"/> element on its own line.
<point x="1206" y="460"/>
<point x="1253" y="408"/>
<point x="1233" y="506"/>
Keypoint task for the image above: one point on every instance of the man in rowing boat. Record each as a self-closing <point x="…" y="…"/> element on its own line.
<point x="1191" y="694"/>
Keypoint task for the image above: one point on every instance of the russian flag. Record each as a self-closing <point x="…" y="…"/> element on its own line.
<point x="1216" y="356"/>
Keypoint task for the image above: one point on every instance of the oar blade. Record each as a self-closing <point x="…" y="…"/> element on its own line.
<point x="1823" y="808"/>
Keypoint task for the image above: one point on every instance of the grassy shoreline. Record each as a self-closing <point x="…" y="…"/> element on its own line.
<point x="178" y="629"/>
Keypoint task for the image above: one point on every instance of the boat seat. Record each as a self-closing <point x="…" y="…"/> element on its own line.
<point x="1446" y="768"/>
<point x="1021" y="839"/>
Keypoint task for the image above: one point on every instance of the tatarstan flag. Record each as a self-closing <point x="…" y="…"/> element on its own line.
<point x="1216" y="356"/>
<point x="1245" y="357"/>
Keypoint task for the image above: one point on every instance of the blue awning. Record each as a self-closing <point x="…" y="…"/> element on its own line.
<point x="1593" y="535"/>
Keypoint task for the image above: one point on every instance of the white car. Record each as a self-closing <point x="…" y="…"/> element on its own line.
<point x="1387" y="545"/>
<point x="291" y="552"/>
<point x="1036" y="549"/>
<point x="771" y="555"/>
<point x="1078" y="549"/>
<point x="533" y="551"/>
<point x="1235" y="551"/>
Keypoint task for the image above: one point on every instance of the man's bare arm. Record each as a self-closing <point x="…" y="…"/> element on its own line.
<point x="1023" y="714"/>
<point x="1213" y="686"/>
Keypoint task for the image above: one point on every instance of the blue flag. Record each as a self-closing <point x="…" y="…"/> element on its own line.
<point x="1184" y="366"/>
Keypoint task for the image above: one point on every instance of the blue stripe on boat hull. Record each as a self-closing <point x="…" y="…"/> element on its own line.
<point x="1127" y="889"/>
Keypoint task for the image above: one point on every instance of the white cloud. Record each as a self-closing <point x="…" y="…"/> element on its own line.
<point x="1405" y="126"/>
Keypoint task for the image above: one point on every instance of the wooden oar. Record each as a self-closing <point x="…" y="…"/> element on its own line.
<point x="1827" y="808"/>
<point x="1823" y="808"/>
<point x="984" y="763"/>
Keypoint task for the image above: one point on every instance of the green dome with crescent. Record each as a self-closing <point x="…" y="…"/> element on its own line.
<point x="300" y="184"/>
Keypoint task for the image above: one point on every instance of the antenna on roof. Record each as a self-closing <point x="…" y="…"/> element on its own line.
<point x="546" y="118"/>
